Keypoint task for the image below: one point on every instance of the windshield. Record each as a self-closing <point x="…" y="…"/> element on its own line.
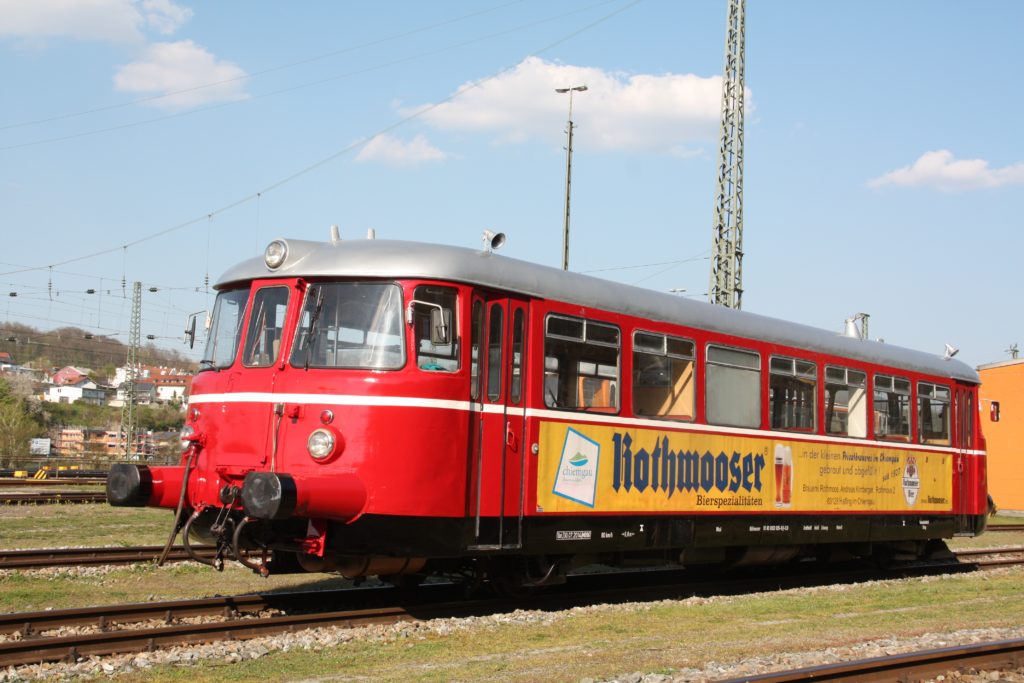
<point x="225" y="328"/>
<point x="350" y="325"/>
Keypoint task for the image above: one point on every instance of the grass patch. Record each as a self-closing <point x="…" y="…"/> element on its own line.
<point x="26" y="591"/>
<point x="82" y="524"/>
<point x="1005" y="519"/>
<point x="659" y="637"/>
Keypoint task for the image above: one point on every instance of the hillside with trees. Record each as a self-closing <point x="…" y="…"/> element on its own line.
<point x="81" y="348"/>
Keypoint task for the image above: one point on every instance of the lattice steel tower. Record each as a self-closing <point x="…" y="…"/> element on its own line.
<point x="727" y="248"/>
<point x="131" y="373"/>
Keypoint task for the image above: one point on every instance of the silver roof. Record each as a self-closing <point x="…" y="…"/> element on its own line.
<point x="397" y="259"/>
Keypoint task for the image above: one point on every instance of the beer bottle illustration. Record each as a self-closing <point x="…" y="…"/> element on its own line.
<point x="780" y="457"/>
<point x="787" y="477"/>
<point x="783" y="476"/>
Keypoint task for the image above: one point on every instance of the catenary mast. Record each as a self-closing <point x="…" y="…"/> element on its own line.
<point x="726" y="286"/>
<point x="131" y="376"/>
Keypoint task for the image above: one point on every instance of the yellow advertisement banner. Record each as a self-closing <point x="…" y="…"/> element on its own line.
<point x="612" y="469"/>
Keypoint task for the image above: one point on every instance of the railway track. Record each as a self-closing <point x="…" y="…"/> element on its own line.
<point x="992" y="557"/>
<point x="29" y="637"/>
<point x="913" y="666"/>
<point x="80" y="557"/>
<point x="1004" y="527"/>
<point x="56" y="481"/>
<point x="50" y="497"/>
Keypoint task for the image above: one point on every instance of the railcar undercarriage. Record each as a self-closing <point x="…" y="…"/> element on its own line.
<point x="301" y="545"/>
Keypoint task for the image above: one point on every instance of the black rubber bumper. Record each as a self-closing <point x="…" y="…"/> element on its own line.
<point x="268" y="495"/>
<point x="129" y="485"/>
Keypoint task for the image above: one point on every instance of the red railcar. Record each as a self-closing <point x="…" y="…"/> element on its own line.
<point x="391" y="408"/>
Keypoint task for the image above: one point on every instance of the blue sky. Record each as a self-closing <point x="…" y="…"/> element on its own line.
<point x="884" y="165"/>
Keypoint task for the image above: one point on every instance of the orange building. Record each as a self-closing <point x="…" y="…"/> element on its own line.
<point x="1002" y="422"/>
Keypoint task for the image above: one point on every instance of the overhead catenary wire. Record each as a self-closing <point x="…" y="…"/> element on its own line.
<point x="335" y="155"/>
<point x="700" y="257"/>
<point x="300" y="173"/>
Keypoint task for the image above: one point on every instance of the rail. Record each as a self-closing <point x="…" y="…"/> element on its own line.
<point x="79" y="557"/>
<point x="11" y="482"/>
<point x="913" y="666"/>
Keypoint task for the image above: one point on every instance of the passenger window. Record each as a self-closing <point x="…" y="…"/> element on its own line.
<point x="733" y="387"/>
<point x="475" y="333"/>
<point x="846" y="406"/>
<point x="792" y="386"/>
<point x="892" y="408"/>
<point x="969" y="422"/>
<point x="516" y="392"/>
<point x="933" y="413"/>
<point x="663" y="376"/>
<point x="435" y="325"/>
<point x="266" y="323"/>
<point x="495" y="341"/>
<point x="581" y="364"/>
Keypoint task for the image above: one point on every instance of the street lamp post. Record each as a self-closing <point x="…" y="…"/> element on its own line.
<point x="568" y="172"/>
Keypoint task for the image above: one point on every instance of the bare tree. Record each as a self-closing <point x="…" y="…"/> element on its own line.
<point x="16" y="428"/>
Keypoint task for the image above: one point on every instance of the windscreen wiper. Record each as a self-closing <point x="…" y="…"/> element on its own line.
<point x="310" y="339"/>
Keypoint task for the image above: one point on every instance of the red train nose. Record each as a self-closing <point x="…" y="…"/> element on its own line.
<point x="272" y="495"/>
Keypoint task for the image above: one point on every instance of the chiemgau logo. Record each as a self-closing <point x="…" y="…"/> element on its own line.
<point x="577" y="468"/>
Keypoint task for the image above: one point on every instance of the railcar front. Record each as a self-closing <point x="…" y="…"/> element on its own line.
<point x="327" y="423"/>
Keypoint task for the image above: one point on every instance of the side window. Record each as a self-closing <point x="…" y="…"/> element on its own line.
<point x="969" y="421"/>
<point x="663" y="376"/>
<point x="495" y="342"/>
<point x="733" y="387"/>
<point x="792" y="387"/>
<point x="436" y="329"/>
<point x="846" y="406"/>
<point x="475" y="334"/>
<point x="581" y="364"/>
<point x="892" y="407"/>
<point x="933" y="413"/>
<point x="518" y="323"/>
<point x="266" y="322"/>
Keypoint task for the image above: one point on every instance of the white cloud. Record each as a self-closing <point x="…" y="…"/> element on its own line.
<point x="394" y="152"/>
<point x="941" y="171"/>
<point x="165" y="16"/>
<point x="103" y="20"/>
<point x="185" y="69"/>
<point x="667" y="113"/>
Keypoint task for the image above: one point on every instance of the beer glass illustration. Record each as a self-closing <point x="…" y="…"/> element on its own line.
<point x="783" y="476"/>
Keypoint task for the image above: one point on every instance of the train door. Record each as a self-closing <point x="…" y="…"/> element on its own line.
<point x="261" y="368"/>
<point x="963" y="460"/>
<point x="497" y="395"/>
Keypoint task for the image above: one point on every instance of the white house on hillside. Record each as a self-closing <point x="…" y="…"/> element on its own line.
<point x="83" y="390"/>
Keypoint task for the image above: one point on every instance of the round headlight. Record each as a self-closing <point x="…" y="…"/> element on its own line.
<point x="186" y="432"/>
<point x="276" y="253"/>
<point x="320" y="444"/>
